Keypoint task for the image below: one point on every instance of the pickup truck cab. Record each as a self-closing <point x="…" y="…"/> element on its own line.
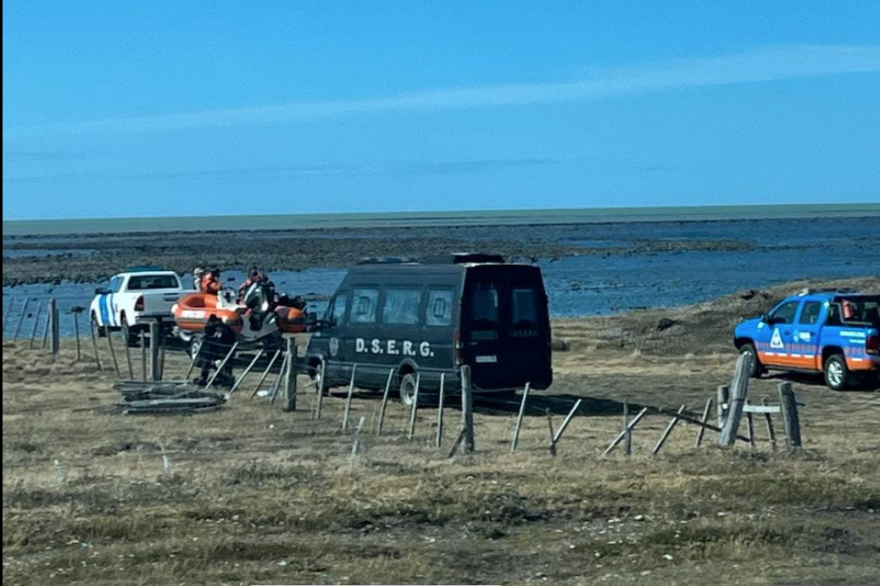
<point x="829" y="332"/>
<point x="133" y="298"/>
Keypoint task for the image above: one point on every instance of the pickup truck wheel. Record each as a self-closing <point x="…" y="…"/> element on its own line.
<point x="757" y="368"/>
<point x="837" y="375"/>
<point x="128" y="334"/>
<point x="102" y="333"/>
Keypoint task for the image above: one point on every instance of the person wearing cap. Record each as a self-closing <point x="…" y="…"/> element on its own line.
<point x="210" y="282"/>
<point x="197" y="278"/>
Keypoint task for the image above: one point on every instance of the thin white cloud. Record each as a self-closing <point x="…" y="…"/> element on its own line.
<point x="771" y="64"/>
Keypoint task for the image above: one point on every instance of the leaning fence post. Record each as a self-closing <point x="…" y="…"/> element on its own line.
<point x="668" y="431"/>
<point x="95" y="345"/>
<point x="220" y="368"/>
<point x="245" y="373"/>
<point x="381" y="422"/>
<point x="467" y="410"/>
<point x="348" y="397"/>
<point x="739" y="394"/>
<point x="790" y="416"/>
<point x="628" y="440"/>
<point x="630" y="426"/>
<point x="551" y="446"/>
<point x="46" y="330"/>
<point x="519" y="418"/>
<point x="558" y="435"/>
<point x="705" y="420"/>
<point x="414" y="413"/>
<point x="281" y="375"/>
<point x="36" y="324"/>
<point x="266" y="373"/>
<point x="290" y="378"/>
<point x="112" y="351"/>
<point x="771" y="432"/>
<point x="24" y="311"/>
<point x="438" y="440"/>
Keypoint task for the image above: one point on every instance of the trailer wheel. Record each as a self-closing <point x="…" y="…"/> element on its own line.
<point x="195" y="345"/>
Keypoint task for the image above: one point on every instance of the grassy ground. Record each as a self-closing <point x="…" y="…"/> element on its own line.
<point x="254" y="495"/>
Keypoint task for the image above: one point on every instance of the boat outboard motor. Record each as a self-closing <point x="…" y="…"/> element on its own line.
<point x="260" y="301"/>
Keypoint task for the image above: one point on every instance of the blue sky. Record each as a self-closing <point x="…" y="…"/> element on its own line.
<point x="116" y="109"/>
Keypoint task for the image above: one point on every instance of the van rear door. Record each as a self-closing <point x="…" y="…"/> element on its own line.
<point x="505" y="327"/>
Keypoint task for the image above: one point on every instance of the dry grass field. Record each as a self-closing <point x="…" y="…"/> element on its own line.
<point x="252" y="495"/>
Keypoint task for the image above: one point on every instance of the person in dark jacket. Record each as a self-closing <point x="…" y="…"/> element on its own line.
<point x="219" y="339"/>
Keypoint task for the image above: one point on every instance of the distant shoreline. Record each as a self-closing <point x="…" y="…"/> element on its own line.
<point x="22" y="228"/>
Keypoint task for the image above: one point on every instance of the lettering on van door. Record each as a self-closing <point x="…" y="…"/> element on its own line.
<point x="393" y="347"/>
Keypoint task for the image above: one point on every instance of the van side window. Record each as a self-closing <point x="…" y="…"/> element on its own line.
<point x="402" y="306"/>
<point x="337" y="309"/>
<point x="525" y="311"/>
<point x="363" y="308"/>
<point x="439" y="311"/>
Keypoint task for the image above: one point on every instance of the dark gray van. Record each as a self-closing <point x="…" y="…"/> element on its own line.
<point x="427" y="318"/>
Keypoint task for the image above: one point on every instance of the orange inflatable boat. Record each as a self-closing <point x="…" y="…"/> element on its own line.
<point x="192" y="312"/>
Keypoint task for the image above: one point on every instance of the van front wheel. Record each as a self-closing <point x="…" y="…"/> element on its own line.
<point x="408" y="389"/>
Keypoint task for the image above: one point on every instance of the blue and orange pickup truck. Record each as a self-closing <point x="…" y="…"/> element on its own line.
<point x="833" y="332"/>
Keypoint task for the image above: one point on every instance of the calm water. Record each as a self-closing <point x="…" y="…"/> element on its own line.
<point x="787" y="250"/>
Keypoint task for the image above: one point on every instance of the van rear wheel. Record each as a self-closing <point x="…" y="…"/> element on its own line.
<point x="837" y="375"/>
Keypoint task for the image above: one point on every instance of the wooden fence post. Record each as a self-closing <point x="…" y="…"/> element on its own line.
<point x="558" y="435"/>
<point x="144" y="356"/>
<point x="551" y="445"/>
<point x="438" y="440"/>
<point x="356" y="442"/>
<point x="738" y="397"/>
<point x="127" y="345"/>
<point x="519" y="418"/>
<point x="348" y="397"/>
<point x="628" y="440"/>
<point x="36" y="324"/>
<point x="790" y="416"/>
<point x="750" y="426"/>
<point x="266" y="373"/>
<point x="630" y="426"/>
<point x="7" y="310"/>
<point x="21" y="318"/>
<point x="771" y="432"/>
<point x="705" y="420"/>
<point x="668" y="431"/>
<point x="95" y="345"/>
<point x="155" y="332"/>
<point x="246" y="372"/>
<point x="290" y="378"/>
<point x="414" y="413"/>
<point x="55" y="342"/>
<point x="381" y="422"/>
<point x="76" y="332"/>
<point x="112" y="351"/>
<point x="322" y="382"/>
<point x="282" y="374"/>
<point x="467" y="411"/>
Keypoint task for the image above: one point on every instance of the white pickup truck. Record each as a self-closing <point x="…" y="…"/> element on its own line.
<point x="134" y="298"/>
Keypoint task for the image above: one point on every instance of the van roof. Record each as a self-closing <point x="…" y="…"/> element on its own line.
<point x="446" y="259"/>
